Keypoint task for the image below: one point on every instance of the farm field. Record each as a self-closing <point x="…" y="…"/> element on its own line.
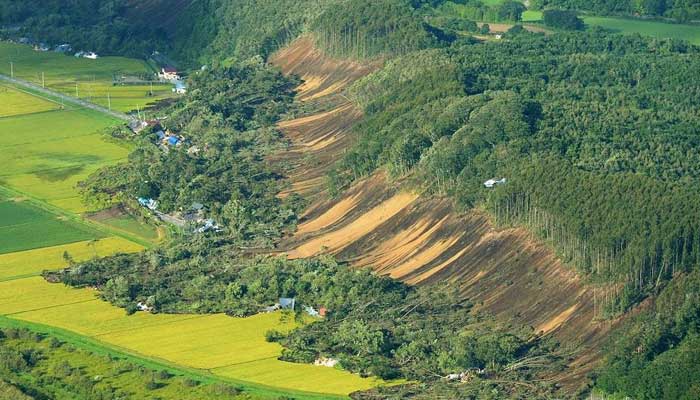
<point x="14" y="102"/>
<point x="94" y="78"/>
<point x="691" y="33"/>
<point x="24" y="226"/>
<point x="226" y="346"/>
<point x="45" y="155"/>
<point x="125" y="223"/>
<point x="656" y="29"/>
<point x="24" y="263"/>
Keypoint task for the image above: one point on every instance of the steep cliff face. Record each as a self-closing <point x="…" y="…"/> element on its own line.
<point x="421" y="239"/>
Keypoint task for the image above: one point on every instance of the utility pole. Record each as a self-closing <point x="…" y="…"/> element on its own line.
<point x="109" y="102"/>
<point x="12" y="69"/>
<point x="76" y="90"/>
<point x="43" y="81"/>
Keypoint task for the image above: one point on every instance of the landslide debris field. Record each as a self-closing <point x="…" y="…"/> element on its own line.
<point x="417" y="239"/>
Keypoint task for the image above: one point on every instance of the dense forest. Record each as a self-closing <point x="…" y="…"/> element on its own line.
<point x="548" y="121"/>
<point x="595" y="133"/>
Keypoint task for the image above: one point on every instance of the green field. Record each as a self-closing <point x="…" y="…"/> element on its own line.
<point x="94" y="78"/>
<point x="15" y="102"/>
<point x="656" y="29"/>
<point x="45" y="155"/>
<point x="24" y="227"/>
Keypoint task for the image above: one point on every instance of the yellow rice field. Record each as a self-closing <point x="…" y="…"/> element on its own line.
<point x="226" y="346"/>
<point x="24" y="263"/>
<point x="15" y="102"/>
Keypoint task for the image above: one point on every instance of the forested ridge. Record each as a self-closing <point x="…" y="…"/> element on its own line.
<point x="595" y="134"/>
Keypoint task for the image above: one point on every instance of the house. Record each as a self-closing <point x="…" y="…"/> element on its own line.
<point x="311" y="311"/>
<point x="42" y="47"/>
<point x="172" y="140"/>
<point x="63" y="48"/>
<point x="287" y="303"/>
<point x="326" y="362"/>
<point x="148" y="203"/>
<point x="160" y="134"/>
<point x="491" y="183"/>
<point x="143" y="307"/>
<point x="91" y="55"/>
<point x="180" y="87"/>
<point x="168" y="74"/>
<point x="209" y="225"/>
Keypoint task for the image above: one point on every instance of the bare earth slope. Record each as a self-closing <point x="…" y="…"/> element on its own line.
<point x="423" y="240"/>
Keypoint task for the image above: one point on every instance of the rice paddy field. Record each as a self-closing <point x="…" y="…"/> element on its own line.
<point x="46" y="154"/>
<point x="92" y="80"/>
<point x="45" y="151"/>
<point x="16" y="102"/>
<point x="24" y="226"/>
<point x="22" y="264"/>
<point x="225" y="346"/>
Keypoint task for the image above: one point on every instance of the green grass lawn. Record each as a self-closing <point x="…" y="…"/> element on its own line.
<point x="93" y="77"/>
<point x="24" y="227"/>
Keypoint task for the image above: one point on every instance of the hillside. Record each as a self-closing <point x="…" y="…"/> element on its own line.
<point x="421" y="239"/>
<point x="462" y="211"/>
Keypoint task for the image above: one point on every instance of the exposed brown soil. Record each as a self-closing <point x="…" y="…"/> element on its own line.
<point x="421" y="239"/>
<point x="317" y="140"/>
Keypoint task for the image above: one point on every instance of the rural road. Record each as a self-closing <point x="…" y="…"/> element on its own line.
<point x="67" y="99"/>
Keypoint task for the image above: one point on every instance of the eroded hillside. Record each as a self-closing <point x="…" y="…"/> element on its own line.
<point x="420" y="239"/>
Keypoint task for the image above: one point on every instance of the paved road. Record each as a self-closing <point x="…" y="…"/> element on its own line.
<point x="67" y="99"/>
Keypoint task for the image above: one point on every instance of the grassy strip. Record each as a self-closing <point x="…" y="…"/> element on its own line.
<point x="101" y="348"/>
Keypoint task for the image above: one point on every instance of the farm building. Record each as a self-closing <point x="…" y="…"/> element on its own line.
<point x="168" y="74"/>
<point x="491" y="183"/>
